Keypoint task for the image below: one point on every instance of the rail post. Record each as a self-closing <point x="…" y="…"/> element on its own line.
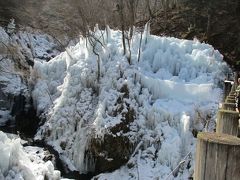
<point x="217" y="157"/>
<point x="227" y="122"/>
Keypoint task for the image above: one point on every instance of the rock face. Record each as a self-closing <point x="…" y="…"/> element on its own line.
<point x="5" y="102"/>
<point x="110" y="153"/>
<point x="18" y="51"/>
<point x="25" y="116"/>
<point x="115" y="148"/>
<point x="20" y="109"/>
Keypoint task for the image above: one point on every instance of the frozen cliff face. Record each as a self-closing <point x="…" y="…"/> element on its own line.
<point x="141" y="113"/>
<point x="18" y="50"/>
<point x="17" y="53"/>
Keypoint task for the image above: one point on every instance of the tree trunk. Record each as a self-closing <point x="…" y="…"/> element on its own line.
<point x="122" y="26"/>
<point x="140" y="47"/>
<point x="132" y="16"/>
<point x="209" y="24"/>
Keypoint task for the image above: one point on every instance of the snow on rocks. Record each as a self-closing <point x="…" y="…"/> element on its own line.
<point x="17" y="53"/>
<point x="18" y="50"/>
<point x="16" y="163"/>
<point x="173" y="90"/>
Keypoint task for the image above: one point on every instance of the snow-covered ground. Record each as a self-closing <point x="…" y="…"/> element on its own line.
<point x="174" y="90"/>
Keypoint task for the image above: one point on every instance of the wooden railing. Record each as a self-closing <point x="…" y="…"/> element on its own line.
<point x="218" y="154"/>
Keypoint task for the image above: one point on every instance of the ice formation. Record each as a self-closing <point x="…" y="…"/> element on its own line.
<point x="17" y="164"/>
<point x="173" y="89"/>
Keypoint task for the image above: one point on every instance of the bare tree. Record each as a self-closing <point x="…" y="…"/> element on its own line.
<point x="140" y="47"/>
<point x="120" y="8"/>
<point x="132" y="6"/>
<point x="90" y="35"/>
<point x="94" y="42"/>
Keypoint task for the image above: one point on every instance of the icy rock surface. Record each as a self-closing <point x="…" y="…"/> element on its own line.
<point x="149" y="108"/>
<point x="18" y="51"/>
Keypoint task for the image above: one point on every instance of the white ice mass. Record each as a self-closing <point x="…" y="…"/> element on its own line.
<point x="173" y="90"/>
<point x="17" y="164"/>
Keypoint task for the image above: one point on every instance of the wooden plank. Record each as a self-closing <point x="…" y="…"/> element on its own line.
<point x="200" y="161"/>
<point x="221" y="162"/>
<point x="233" y="163"/>
<point x="210" y="169"/>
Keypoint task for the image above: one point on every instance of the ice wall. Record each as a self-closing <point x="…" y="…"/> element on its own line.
<point x="173" y="89"/>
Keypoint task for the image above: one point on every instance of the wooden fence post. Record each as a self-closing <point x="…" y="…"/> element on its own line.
<point x="229" y="106"/>
<point x="227" y="88"/>
<point x="230" y="100"/>
<point x="227" y="122"/>
<point x="217" y="157"/>
<point x="232" y="96"/>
